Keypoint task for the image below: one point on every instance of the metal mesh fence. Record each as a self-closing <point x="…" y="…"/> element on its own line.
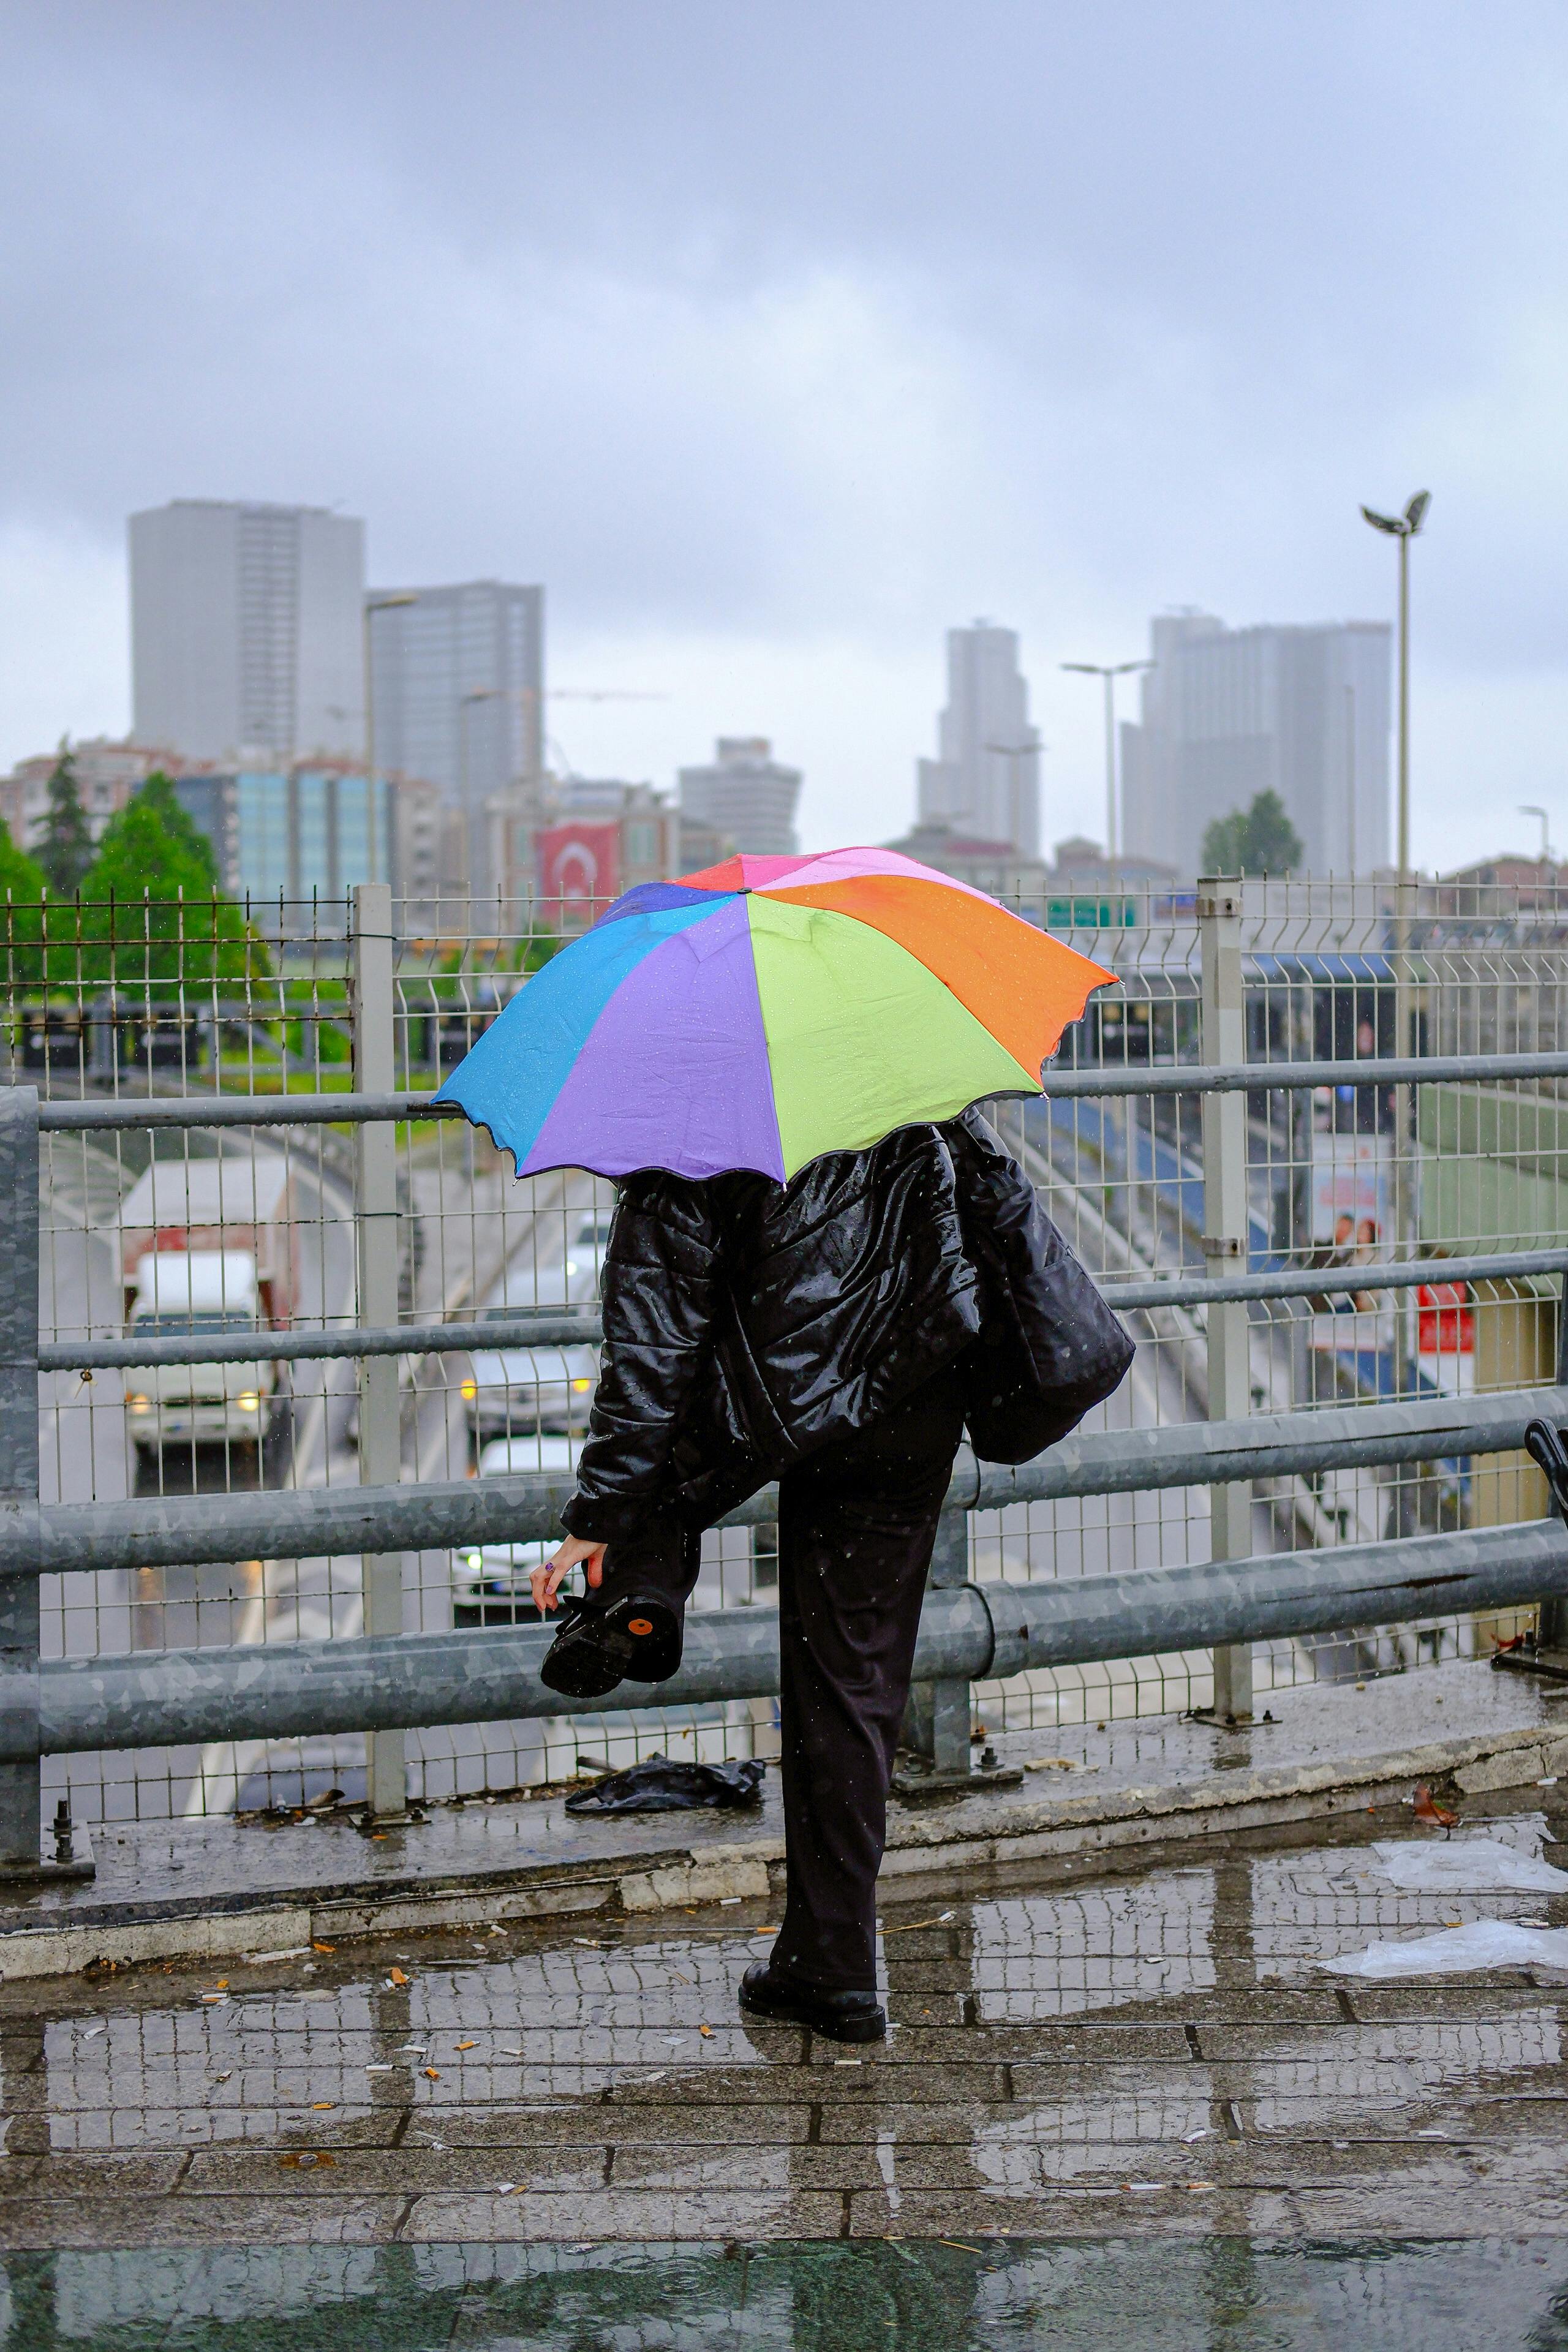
<point x="197" y="1231"/>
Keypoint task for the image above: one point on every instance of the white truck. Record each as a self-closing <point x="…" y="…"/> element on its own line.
<point x="206" y="1247"/>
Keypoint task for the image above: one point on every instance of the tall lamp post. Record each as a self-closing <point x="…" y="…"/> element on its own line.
<point x="1013" y="753"/>
<point x="1403" y="528"/>
<point x="472" y="830"/>
<point x="376" y="605"/>
<point x="1110" y="672"/>
<point x="1528" y="808"/>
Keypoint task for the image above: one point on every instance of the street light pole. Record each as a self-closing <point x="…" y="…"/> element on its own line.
<point x="1407" y="1212"/>
<point x="476" y="694"/>
<point x="374" y="605"/>
<point x="1110" y="672"/>
<point x="1403" y="528"/>
<point x="1528" y="808"/>
<point x="1013" y="753"/>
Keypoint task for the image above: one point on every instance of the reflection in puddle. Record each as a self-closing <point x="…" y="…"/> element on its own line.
<point x="1084" y="2295"/>
<point x="565" y="2023"/>
<point x="1059" y="1955"/>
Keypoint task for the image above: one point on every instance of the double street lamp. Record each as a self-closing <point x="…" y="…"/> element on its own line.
<point x="1110" y="672"/>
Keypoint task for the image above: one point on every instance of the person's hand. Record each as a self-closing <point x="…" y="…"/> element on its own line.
<point x="548" y="1579"/>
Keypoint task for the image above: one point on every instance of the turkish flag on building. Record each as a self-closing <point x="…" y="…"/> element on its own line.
<point x="579" y="871"/>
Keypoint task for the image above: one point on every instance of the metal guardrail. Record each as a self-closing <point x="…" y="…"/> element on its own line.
<point x="162" y="1530"/>
<point x="530" y="1330"/>
<point x="387" y="1682"/>
<point x="1242" y="1077"/>
<point x="541" y="1329"/>
<point x="1065" y="1086"/>
<point x="968" y="1633"/>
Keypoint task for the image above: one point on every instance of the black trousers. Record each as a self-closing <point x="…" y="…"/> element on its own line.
<point x="857" y="1523"/>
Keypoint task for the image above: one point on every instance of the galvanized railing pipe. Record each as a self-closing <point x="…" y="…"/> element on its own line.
<point x="968" y="1633"/>
<point x="63" y="1117"/>
<point x="584" y="1328"/>
<point x="164" y="1530"/>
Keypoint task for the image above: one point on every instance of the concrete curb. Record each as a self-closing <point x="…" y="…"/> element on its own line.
<point x="974" y="1836"/>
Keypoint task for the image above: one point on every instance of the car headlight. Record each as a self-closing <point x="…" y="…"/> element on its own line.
<point x="470" y="1390"/>
<point x="140" y="1404"/>
<point x="249" y="1401"/>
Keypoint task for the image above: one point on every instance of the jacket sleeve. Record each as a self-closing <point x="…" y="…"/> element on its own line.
<point x="658" y="1295"/>
<point x="991" y="1188"/>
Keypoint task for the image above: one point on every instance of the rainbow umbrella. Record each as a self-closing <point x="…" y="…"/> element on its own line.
<point x="768" y="1010"/>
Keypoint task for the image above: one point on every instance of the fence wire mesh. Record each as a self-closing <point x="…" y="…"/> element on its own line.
<point x="197" y="1231"/>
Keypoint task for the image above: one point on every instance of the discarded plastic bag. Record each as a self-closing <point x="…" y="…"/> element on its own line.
<point x="660" y="1785"/>
<point x="1475" y="1866"/>
<point x="1482" y="1944"/>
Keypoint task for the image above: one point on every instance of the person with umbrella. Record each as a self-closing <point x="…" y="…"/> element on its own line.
<point x="822" y="1265"/>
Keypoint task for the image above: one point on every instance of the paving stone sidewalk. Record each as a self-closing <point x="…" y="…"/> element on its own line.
<point x="1139" y="2045"/>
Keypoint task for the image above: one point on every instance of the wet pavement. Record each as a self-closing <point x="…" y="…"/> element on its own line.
<point x="196" y="1890"/>
<point x="1233" y="2295"/>
<point x="1115" y="2090"/>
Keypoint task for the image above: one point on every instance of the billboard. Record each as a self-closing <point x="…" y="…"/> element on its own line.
<point x="1352" y="1225"/>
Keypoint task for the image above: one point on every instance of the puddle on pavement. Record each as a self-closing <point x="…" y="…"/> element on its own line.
<point x="1120" y="2050"/>
<point x="1233" y="2295"/>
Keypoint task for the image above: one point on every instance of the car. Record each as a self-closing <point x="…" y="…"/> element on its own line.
<point x="519" y="1391"/>
<point x="489" y="1581"/>
<point x="513" y="1392"/>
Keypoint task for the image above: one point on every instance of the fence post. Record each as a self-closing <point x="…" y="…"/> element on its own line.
<point x="21" y="1824"/>
<point x="1225" y="1248"/>
<point x="937" y="1719"/>
<point x="376" y="1239"/>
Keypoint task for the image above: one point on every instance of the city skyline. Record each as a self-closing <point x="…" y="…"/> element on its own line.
<point x="1180" y="296"/>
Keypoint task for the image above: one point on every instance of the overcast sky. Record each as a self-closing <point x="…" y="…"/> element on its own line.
<point x="774" y="339"/>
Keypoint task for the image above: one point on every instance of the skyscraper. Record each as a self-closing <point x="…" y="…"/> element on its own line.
<point x="1302" y="711"/>
<point x="245" y="629"/>
<point x="458" y="697"/>
<point x="746" y="796"/>
<point x="986" y="779"/>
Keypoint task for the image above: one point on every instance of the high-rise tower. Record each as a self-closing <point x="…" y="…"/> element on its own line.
<point x="986" y="781"/>
<point x="245" y="630"/>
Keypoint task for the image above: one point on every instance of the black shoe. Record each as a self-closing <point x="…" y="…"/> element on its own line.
<point x="840" y="2016"/>
<point x="602" y="1645"/>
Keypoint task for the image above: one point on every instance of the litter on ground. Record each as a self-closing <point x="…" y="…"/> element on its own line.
<point x="1482" y="1944"/>
<point x="1475" y="1865"/>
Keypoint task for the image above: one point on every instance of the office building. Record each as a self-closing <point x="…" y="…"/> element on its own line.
<point x="107" y="776"/>
<point x="984" y="783"/>
<point x="1226" y="714"/>
<point x="291" y="834"/>
<point x="746" y="796"/>
<point x="458" y="700"/>
<point x="246" y="638"/>
<point x="600" y="838"/>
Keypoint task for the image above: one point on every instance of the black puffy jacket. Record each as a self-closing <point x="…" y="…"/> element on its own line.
<point x="747" y="1324"/>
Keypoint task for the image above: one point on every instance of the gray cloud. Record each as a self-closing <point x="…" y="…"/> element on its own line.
<point x="804" y="327"/>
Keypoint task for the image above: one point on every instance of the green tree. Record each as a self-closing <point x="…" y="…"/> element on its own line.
<point x="1258" y="840"/>
<point x="66" y="851"/>
<point x="152" y="908"/>
<point x="21" y="913"/>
